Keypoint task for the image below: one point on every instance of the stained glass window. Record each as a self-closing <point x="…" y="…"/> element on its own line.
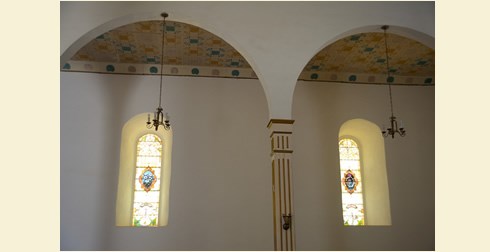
<point x="147" y="181"/>
<point x="351" y="182"/>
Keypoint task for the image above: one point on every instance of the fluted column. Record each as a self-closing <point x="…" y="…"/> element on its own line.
<point x="282" y="192"/>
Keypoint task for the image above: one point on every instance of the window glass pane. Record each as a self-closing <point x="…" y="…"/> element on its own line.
<point x="147" y="181"/>
<point x="139" y="187"/>
<point x="353" y="214"/>
<point x="156" y="171"/>
<point x="145" y="214"/>
<point x="351" y="184"/>
<point x="358" y="188"/>
<point x="142" y="196"/>
<point x="144" y="161"/>
<point x="355" y="198"/>
<point x="149" y="148"/>
<point x="357" y="174"/>
<point x="349" y="165"/>
<point x="348" y="153"/>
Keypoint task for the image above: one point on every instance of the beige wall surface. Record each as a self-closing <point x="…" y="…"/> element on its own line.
<point x="220" y="195"/>
<point x="319" y="110"/>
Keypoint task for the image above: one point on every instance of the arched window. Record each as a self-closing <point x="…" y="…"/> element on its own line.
<point x="364" y="179"/>
<point x="144" y="175"/>
<point x="147" y="181"/>
<point x="351" y="180"/>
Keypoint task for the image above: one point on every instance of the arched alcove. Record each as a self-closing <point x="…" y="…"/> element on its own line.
<point x="373" y="165"/>
<point x="133" y="130"/>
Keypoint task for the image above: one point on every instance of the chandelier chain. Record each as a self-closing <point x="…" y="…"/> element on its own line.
<point x="161" y="62"/>
<point x="159" y="119"/>
<point x="394" y="128"/>
<point x="388" y="69"/>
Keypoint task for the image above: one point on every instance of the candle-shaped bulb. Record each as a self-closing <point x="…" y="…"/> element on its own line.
<point x="401" y="124"/>
<point x="148" y="117"/>
<point x="167" y="117"/>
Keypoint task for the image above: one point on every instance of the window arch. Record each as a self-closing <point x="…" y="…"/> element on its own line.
<point x="361" y="142"/>
<point x="144" y="175"/>
<point x="351" y="180"/>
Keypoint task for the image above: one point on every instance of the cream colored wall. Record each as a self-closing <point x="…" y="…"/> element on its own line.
<point x="319" y="110"/>
<point x="220" y="195"/>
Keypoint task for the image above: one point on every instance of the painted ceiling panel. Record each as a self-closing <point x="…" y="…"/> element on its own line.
<point x="365" y="55"/>
<point x="192" y="51"/>
<point x="187" y="48"/>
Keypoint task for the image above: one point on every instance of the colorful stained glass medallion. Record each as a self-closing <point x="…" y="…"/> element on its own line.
<point x="147" y="179"/>
<point x="350" y="181"/>
<point x="350" y="170"/>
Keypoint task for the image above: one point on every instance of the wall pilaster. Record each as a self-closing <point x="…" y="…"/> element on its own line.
<point x="281" y="131"/>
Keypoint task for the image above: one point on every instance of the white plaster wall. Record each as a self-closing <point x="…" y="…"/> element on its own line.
<point x="220" y="195"/>
<point x="319" y="110"/>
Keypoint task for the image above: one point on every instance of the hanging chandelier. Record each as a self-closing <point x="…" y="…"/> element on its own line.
<point x="393" y="122"/>
<point x="158" y="114"/>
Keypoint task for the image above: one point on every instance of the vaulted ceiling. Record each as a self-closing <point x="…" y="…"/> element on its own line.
<point x="361" y="58"/>
<point x="192" y="51"/>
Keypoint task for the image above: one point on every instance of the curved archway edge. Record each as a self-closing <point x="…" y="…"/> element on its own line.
<point x="277" y="53"/>
<point x="410" y="33"/>
<point x="147" y="16"/>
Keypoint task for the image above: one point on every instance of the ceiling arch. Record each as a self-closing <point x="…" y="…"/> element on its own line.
<point x="136" y="49"/>
<point x="192" y="51"/>
<point x="360" y="57"/>
<point x="276" y="46"/>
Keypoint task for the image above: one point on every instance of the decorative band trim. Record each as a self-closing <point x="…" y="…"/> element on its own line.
<point x="281" y="121"/>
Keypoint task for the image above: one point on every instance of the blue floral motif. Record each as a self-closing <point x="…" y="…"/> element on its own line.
<point x="147" y="179"/>
<point x="110" y="68"/>
<point x="349" y="181"/>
